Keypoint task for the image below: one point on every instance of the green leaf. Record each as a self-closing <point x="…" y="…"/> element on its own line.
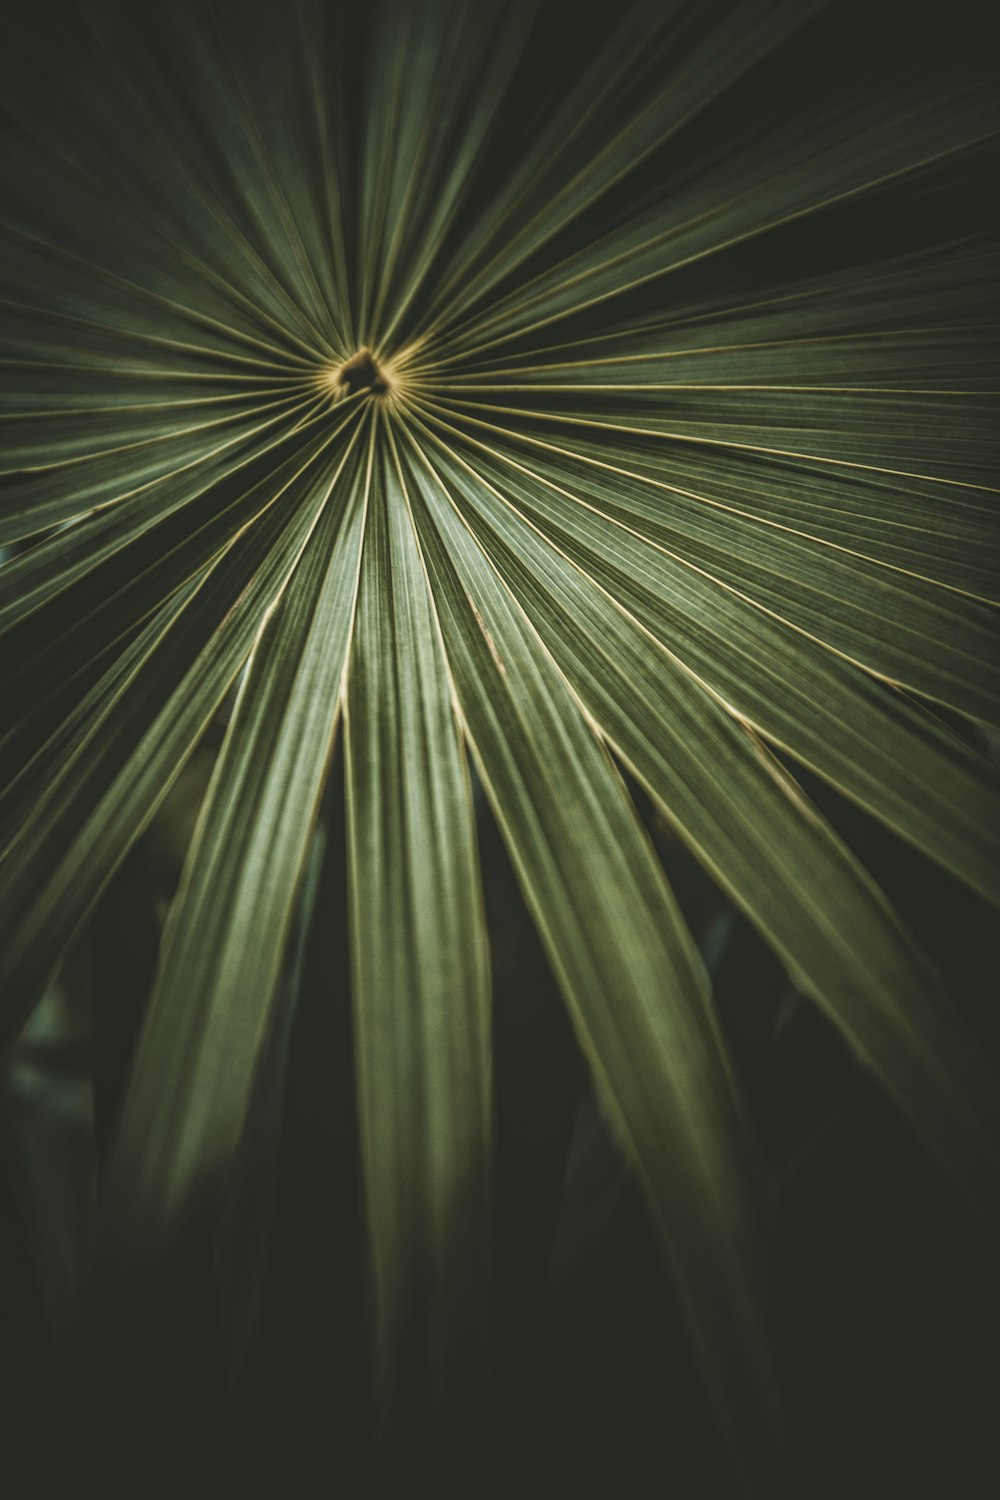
<point x="667" y="449"/>
<point x="871" y="743"/>
<point x="611" y="928"/>
<point x="59" y="560"/>
<point x="136" y="742"/>
<point x="208" y="1017"/>
<point x="749" y="824"/>
<point x="421" y="996"/>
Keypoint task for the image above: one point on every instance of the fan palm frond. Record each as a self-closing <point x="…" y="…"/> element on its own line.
<point x="403" y="368"/>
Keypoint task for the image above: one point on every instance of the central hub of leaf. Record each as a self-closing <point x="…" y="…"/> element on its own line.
<point x="361" y="373"/>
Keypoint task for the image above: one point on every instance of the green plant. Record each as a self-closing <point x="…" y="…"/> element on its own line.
<point x="385" y="359"/>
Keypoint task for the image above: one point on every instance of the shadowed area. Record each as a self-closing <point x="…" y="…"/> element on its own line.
<point x="361" y="373"/>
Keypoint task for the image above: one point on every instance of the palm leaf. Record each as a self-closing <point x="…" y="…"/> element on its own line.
<point x="229" y="923"/>
<point x="421" y="986"/>
<point x="447" y="373"/>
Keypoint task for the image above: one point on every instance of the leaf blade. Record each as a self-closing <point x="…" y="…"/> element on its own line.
<point x="208" y="1018"/>
<point x="610" y="926"/>
<point x="421" y="1000"/>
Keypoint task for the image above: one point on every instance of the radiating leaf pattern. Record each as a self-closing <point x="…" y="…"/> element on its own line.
<point x="400" y="356"/>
